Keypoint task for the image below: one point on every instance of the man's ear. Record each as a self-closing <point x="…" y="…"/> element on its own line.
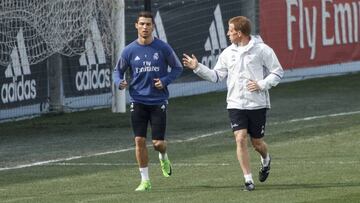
<point x="239" y="33"/>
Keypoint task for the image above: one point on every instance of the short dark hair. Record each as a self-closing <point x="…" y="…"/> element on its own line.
<point x="241" y="23"/>
<point x="145" y="14"/>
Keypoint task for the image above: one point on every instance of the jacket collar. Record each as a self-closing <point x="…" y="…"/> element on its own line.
<point x="255" y="39"/>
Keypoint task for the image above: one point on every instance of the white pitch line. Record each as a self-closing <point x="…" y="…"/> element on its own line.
<point x="176" y="141"/>
<point x="317" y="117"/>
<point x="133" y="164"/>
<point x="200" y="136"/>
<point x="281" y="162"/>
<point x="64" y="159"/>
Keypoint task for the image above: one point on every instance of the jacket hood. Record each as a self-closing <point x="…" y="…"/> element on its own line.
<point x="256" y="39"/>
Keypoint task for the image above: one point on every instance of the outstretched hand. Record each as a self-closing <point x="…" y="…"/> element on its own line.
<point x="190" y="62"/>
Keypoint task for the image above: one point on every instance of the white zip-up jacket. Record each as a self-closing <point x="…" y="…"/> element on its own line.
<point x="256" y="61"/>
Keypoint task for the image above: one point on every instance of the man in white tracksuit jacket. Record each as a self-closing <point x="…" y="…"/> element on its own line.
<point x="251" y="68"/>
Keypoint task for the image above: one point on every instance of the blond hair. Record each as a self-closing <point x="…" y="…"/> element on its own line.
<point x="241" y="23"/>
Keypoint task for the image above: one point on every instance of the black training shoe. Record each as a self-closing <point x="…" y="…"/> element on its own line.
<point x="264" y="172"/>
<point x="249" y="186"/>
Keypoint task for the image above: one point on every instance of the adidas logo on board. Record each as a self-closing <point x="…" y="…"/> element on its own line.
<point x="216" y="42"/>
<point x="20" y="88"/>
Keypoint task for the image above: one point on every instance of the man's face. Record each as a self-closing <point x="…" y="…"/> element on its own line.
<point x="234" y="36"/>
<point x="144" y="27"/>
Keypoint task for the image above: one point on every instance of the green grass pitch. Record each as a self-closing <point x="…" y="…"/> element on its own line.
<point x="313" y="133"/>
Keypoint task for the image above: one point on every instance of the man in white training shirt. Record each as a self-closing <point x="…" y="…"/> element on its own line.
<point x="251" y="68"/>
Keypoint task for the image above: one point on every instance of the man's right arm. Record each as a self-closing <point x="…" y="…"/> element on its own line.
<point x="216" y="75"/>
<point x="119" y="71"/>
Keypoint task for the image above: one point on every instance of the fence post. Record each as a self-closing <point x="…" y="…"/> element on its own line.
<point x="147" y="5"/>
<point x="55" y="83"/>
<point x="119" y="98"/>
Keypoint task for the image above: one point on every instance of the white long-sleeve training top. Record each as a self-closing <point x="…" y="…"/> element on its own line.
<point x="255" y="61"/>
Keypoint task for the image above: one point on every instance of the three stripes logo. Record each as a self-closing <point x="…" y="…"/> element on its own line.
<point x="19" y="89"/>
<point x="93" y="78"/>
<point x="216" y="42"/>
<point x="159" y="31"/>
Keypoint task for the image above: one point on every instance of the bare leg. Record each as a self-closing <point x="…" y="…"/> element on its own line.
<point x="159" y="145"/>
<point x="260" y="146"/>
<point x="242" y="150"/>
<point x="141" y="152"/>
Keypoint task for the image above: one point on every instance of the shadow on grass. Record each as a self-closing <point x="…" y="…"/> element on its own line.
<point x="262" y="187"/>
<point x="292" y="186"/>
<point x="204" y="188"/>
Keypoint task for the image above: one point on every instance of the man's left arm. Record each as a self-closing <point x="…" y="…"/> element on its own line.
<point x="276" y="72"/>
<point x="176" y="69"/>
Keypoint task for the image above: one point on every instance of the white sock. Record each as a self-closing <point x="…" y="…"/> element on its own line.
<point x="144" y="172"/>
<point x="265" y="161"/>
<point x="248" y="178"/>
<point x="163" y="156"/>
